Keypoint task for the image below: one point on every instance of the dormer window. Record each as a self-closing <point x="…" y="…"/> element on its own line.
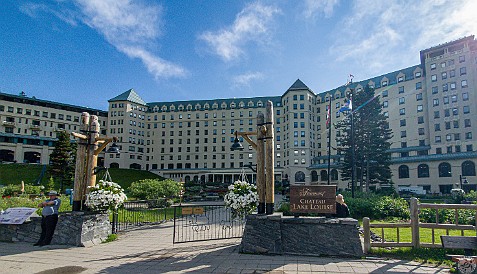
<point x="259" y="104"/>
<point x="232" y="105"/>
<point x="384" y="83"/>
<point x="400" y="79"/>
<point x="197" y="107"/>
<point x="206" y="106"/>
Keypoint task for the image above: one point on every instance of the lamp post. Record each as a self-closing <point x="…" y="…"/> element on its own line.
<point x="265" y="157"/>
<point x="462" y="181"/>
<point x="89" y="147"/>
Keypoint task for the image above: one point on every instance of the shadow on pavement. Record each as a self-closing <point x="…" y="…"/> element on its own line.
<point x="7" y="248"/>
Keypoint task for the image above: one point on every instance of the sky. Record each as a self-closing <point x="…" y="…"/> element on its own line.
<point x="84" y="52"/>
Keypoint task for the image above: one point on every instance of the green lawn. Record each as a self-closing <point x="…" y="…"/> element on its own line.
<point x="124" y="177"/>
<point x="16" y="173"/>
<point x="29" y="173"/>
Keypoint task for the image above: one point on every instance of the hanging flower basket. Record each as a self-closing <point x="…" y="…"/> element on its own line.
<point x="242" y="198"/>
<point x="105" y="196"/>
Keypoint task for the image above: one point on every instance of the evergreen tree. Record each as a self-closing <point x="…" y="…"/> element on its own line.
<point x="371" y="141"/>
<point x="62" y="161"/>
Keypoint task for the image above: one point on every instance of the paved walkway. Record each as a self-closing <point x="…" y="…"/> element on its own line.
<point x="150" y="250"/>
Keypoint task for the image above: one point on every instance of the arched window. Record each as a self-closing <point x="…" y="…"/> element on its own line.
<point x="314" y="176"/>
<point x="334" y="175"/>
<point x="31" y="157"/>
<point x="422" y="171"/>
<point x="114" y="165"/>
<point x="299" y="176"/>
<point x="187" y="178"/>
<point x="468" y="168"/>
<point x="6" y="155"/>
<point x="324" y="175"/>
<point x="445" y="170"/>
<point x="403" y="172"/>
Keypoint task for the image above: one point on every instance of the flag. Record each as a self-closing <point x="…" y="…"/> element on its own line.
<point x="348" y="106"/>
<point x="328" y="116"/>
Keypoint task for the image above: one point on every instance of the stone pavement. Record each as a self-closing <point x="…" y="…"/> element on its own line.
<point x="150" y="250"/>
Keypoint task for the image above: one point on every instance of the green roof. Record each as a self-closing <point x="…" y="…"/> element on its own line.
<point x="130" y="96"/>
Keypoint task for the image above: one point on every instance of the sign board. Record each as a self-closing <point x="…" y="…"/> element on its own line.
<point x="186" y="210"/>
<point x="198" y="210"/>
<point x="16" y="215"/>
<point x="313" y="199"/>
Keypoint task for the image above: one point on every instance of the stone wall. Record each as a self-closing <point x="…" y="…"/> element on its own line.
<point x="315" y="236"/>
<point x="73" y="228"/>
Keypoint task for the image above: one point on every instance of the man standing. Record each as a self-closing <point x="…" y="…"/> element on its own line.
<point x="49" y="218"/>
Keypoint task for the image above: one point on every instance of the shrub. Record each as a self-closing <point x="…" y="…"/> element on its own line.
<point x="150" y="189"/>
<point x="10" y="190"/>
<point x="387" y="207"/>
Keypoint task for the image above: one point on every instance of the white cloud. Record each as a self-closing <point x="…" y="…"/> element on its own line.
<point x="244" y="80"/>
<point x="314" y="7"/>
<point x="132" y="27"/>
<point x="252" y="24"/>
<point x="379" y="35"/>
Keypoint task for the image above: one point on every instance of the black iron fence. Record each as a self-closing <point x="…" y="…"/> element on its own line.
<point x="203" y="222"/>
<point x="139" y="213"/>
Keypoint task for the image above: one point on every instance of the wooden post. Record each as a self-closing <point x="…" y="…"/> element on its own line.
<point x="270" y="180"/>
<point x="366" y="235"/>
<point x="80" y="184"/>
<point x="260" y="165"/>
<point x="92" y="157"/>
<point x="415" y="222"/>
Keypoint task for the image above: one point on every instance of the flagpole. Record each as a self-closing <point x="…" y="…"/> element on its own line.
<point x="353" y="169"/>
<point x="329" y="140"/>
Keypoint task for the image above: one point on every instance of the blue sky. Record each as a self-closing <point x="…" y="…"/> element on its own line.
<point x="84" y="52"/>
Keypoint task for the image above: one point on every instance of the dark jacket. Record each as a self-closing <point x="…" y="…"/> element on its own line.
<point x="342" y="210"/>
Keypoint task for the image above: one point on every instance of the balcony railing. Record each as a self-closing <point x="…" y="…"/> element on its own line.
<point x="8" y="124"/>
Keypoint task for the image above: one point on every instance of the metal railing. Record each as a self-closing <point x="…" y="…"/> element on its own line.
<point x="415" y="226"/>
<point x="139" y="213"/>
<point x="205" y="222"/>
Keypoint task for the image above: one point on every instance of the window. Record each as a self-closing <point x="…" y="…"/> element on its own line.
<point x="435" y="102"/>
<point x="468" y="168"/>
<point x="467" y="123"/>
<point x="402" y="122"/>
<point x="461" y="58"/>
<point x="452" y="85"/>
<point x="454" y="98"/>
<point x="400" y="79"/>
<point x="433" y="77"/>
<point x="420" y="119"/>
<point x="402" y="100"/>
<point x="419" y="97"/>
<point x="452" y="73"/>
<point x="465" y="96"/>
<point x="401" y="89"/>
<point x="403" y="134"/>
<point x="463" y="83"/>
<point x="446" y="100"/>
<point x="385" y="93"/>
<point x="385" y="104"/>
<point x="443" y="64"/>
<point x="445" y="87"/>
<point x="433" y="66"/>
<point x="403" y="172"/>
<point x="437" y="139"/>
<point x="418" y="85"/>
<point x="434" y="90"/>
<point x="422" y="171"/>
<point x="421" y="131"/>
<point x="419" y="108"/>
<point x="402" y="111"/>
<point x="437" y="127"/>
<point x="417" y="74"/>
<point x="445" y="170"/>
<point x="444" y="75"/>
<point x="468" y="135"/>
<point x="463" y="71"/>
<point x="466" y="110"/>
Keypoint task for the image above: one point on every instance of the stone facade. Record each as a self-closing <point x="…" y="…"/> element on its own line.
<point x="314" y="236"/>
<point x="74" y="228"/>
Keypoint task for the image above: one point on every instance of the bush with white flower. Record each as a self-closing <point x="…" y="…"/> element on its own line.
<point x="242" y="198"/>
<point x="105" y="196"/>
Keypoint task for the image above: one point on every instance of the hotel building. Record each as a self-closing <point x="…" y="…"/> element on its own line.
<point x="430" y="107"/>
